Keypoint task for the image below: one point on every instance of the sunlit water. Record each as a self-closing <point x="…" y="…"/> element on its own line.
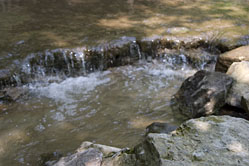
<point x="28" y="26"/>
<point x="111" y="107"/>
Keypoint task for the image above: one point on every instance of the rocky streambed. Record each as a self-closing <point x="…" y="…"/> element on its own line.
<point x="213" y="140"/>
<point x="209" y="140"/>
<point x="66" y="96"/>
<point x="70" y="72"/>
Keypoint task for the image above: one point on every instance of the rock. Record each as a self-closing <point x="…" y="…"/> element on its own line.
<point x="202" y="94"/>
<point x="5" y="78"/>
<point x="237" y="55"/>
<point x="89" y="157"/>
<point x="106" y="150"/>
<point x="245" y="102"/>
<point x="239" y="71"/>
<point x="197" y="58"/>
<point x="236" y="93"/>
<point x="209" y="141"/>
<point x="49" y="159"/>
<point x="90" y="154"/>
<point x="3" y="107"/>
<point x="12" y="94"/>
<point x="233" y="111"/>
<point x="123" y="159"/>
<point x="158" y="127"/>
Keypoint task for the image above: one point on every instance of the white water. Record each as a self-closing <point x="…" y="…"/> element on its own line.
<point x="111" y="107"/>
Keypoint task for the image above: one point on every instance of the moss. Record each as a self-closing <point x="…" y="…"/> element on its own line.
<point x="215" y="119"/>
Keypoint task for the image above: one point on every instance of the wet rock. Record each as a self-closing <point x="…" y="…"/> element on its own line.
<point x="158" y="127"/>
<point x="202" y="94"/>
<point x="12" y="94"/>
<point x="123" y="159"/>
<point x="81" y="61"/>
<point x="90" y="157"/>
<point x="112" y="156"/>
<point x="90" y="154"/>
<point x="237" y="55"/>
<point x="209" y="141"/>
<point x="239" y="71"/>
<point x="197" y="58"/>
<point x="105" y="150"/>
<point x="6" y="79"/>
<point x="48" y="159"/>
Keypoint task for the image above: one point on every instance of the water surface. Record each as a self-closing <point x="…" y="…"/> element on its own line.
<point x="35" y="25"/>
<point x="111" y="107"/>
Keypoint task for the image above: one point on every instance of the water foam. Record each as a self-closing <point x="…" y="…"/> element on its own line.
<point x="66" y="90"/>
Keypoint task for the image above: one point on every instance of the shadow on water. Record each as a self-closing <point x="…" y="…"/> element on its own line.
<point x="35" y="25"/>
<point x="44" y="24"/>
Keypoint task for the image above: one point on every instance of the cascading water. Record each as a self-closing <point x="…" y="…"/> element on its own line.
<point x="107" y="94"/>
<point x="111" y="107"/>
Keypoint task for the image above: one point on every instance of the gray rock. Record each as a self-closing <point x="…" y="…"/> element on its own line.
<point x="5" y="78"/>
<point x="123" y="159"/>
<point x="90" y="154"/>
<point x="89" y="157"/>
<point x="239" y="71"/>
<point x="158" y="127"/>
<point x="236" y="93"/>
<point x="202" y="94"/>
<point x="12" y="94"/>
<point x="207" y="141"/>
<point x="105" y="150"/>
<point x="237" y="55"/>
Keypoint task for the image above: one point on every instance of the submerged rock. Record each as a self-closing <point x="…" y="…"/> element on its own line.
<point x="237" y="55"/>
<point x="158" y="127"/>
<point x="202" y="94"/>
<point x="209" y="141"/>
<point x="11" y="94"/>
<point x="6" y="79"/>
<point x="239" y="71"/>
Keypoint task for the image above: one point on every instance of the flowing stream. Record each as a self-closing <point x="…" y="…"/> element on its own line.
<point x="110" y="107"/>
<point x="75" y="95"/>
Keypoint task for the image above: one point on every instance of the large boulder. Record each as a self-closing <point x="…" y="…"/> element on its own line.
<point x="207" y="141"/>
<point x="239" y="71"/>
<point x="202" y="94"/>
<point x="237" y="55"/>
